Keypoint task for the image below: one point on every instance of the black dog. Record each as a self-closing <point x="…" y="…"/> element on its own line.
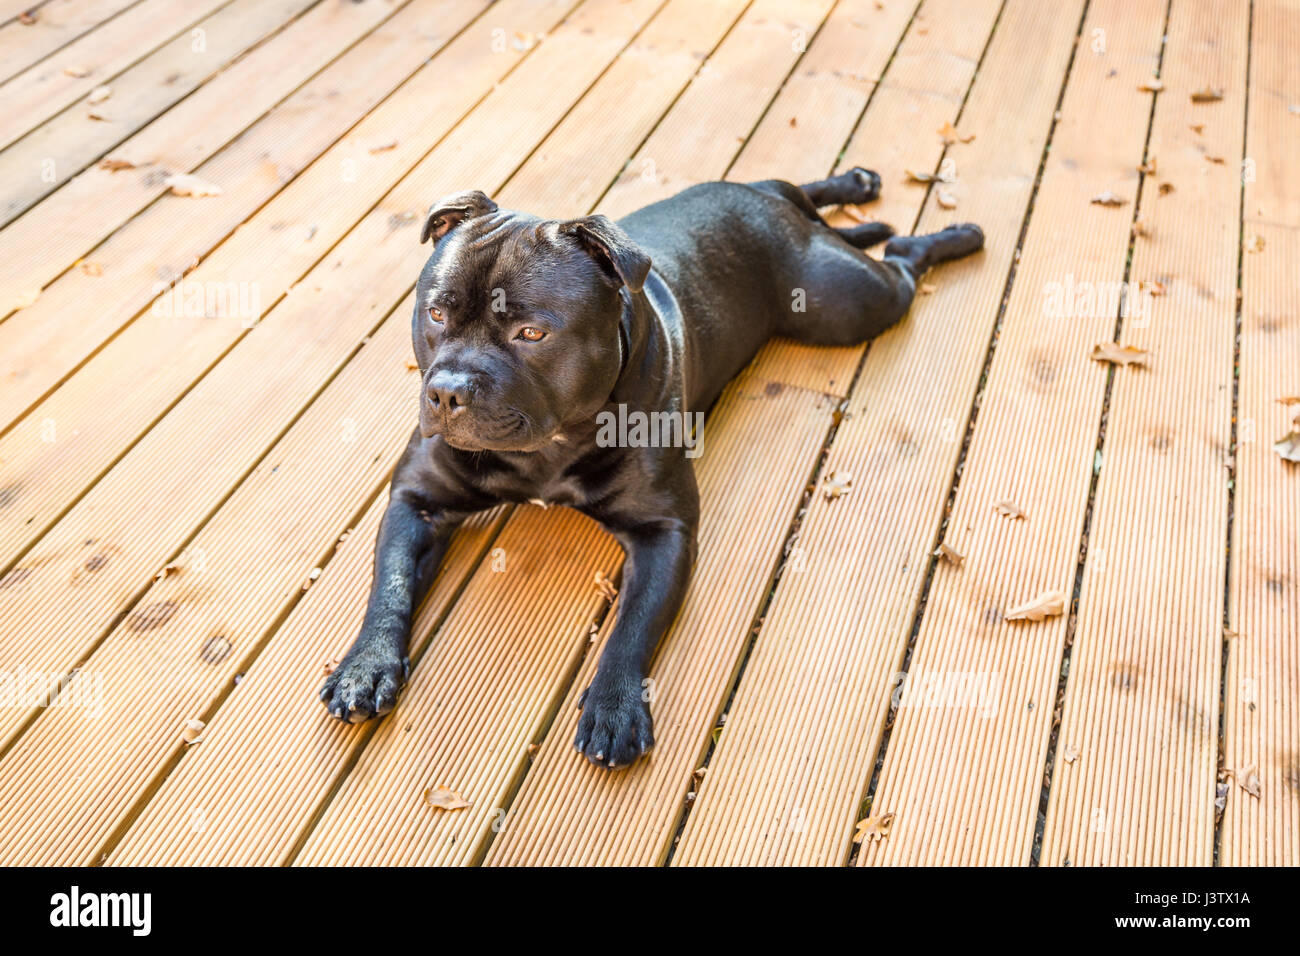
<point x="531" y="333"/>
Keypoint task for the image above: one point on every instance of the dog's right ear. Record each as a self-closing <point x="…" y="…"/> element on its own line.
<point x="452" y="210"/>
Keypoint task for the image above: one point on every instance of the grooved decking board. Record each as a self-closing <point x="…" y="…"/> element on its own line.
<point x="671" y="38"/>
<point x="44" y="89"/>
<point x="926" y="82"/>
<point x="1137" y="750"/>
<point x="963" y="776"/>
<point x="374" y="820"/>
<point x="58" y="24"/>
<point x="93" y="202"/>
<point x="159" y="355"/>
<point x="94" y="562"/>
<point x="568" y="815"/>
<point x="72" y="779"/>
<point x="785" y="781"/>
<point x="273" y="728"/>
<point x="1261" y="717"/>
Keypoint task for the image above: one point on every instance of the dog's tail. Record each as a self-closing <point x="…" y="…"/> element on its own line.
<point x="867" y="234"/>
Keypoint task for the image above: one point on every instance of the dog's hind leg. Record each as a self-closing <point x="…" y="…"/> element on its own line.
<point x="916" y="254"/>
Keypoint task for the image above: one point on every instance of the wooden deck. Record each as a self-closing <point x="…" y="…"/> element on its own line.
<point x="201" y="400"/>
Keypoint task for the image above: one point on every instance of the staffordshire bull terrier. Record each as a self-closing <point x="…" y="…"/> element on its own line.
<point x="530" y="331"/>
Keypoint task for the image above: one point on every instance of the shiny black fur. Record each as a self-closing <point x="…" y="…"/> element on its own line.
<point x="657" y="312"/>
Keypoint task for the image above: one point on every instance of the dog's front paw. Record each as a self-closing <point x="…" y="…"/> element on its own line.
<point x="365" y="685"/>
<point x="615" y="727"/>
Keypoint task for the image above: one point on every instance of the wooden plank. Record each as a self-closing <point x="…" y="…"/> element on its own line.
<point x="42" y="90"/>
<point x="963" y="777"/>
<point x="1261" y="718"/>
<point x="1137" y="749"/>
<point x="57" y="25"/>
<point x="71" y="782"/>
<point x="246" y="835"/>
<point x="93" y="562"/>
<point x="570" y="813"/>
<point x="156" y="359"/>
<point x="149" y="127"/>
<point x="785" y="781"/>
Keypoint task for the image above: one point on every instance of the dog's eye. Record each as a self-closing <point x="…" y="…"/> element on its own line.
<point x="530" y="334"/>
<point x="435" y="314"/>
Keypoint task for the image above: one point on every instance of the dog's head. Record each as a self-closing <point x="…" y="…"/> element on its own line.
<point x="516" y="322"/>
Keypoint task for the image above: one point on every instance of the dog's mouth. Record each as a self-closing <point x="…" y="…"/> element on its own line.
<point x="511" y="431"/>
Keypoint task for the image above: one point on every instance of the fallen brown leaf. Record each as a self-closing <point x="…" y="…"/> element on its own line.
<point x="330" y="665"/>
<point x="1149" y="167"/>
<point x="951" y="135"/>
<point x="1207" y="95"/>
<point x="77" y="71"/>
<point x="945" y="199"/>
<point x="26" y="299"/>
<point x="383" y="147"/>
<point x="91" y="268"/>
<point x="1153" y="85"/>
<point x="1255" y="244"/>
<point x="1108" y="198"/>
<point x="605" y="586"/>
<point x="1140" y="229"/>
<point x="873" y="828"/>
<point x="99" y="94"/>
<point x="1217" y="160"/>
<point x="116" y="165"/>
<point x="185" y="184"/>
<point x="1165" y="189"/>
<point x="444" y="798"/>
<point x="913" y="177"/>
<point x="1046" y="604"/>
<point x="1071" y="754"/>
<point x="1119" y="354"/>
<point x="1197" y="128"/>
<point x="1288" y="446"/>
<point x="1153" y="286"/>
<point x="951" y="555"/>
<point x="192" y="729"/>
<point x="1009" y="509"/>
<point x="837" y="484"/>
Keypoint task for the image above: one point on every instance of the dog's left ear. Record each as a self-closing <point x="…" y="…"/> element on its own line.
<point x="451" y="211"/>
<point x="613" y="249"/>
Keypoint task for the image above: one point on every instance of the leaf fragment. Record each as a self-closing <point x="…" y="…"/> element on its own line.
<point x="1288" y="446"/>
<point x="1120" y="354"/>
<point x="927" y="178"/>
<point x="951" y="134"/>
<point x="1255" y="244"/>
<point x="1209" y="94"/>
<point x="1153" y="85"/>
<point x="186" y="184"/>
<point x="191" y="730"/>
<point x="444" y="798"/>
<point x="873" y="828"/>
<point x="1046" y="604"/>
<point x="98" y="95"/>
<point x="77" y="70"/>
<point x="605" y="586"/>
<point x="1009" y="509"/>
<point x="836" y="484"/>
<point x="951" y="555"/>
<point x="113" y="165"/>
<point x="945" y="199"/>
<point x="1108" y="198"/>
<point x="26" y="299"/>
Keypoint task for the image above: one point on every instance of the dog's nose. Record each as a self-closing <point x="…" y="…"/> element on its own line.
<point x="450" y="392"/>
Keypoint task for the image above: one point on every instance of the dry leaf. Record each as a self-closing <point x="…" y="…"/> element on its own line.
<point x="1140" y="229"/>
<point x="1047" y="604"/>
<point x="952" y="556"/>
<point x="1108" y="198"/>
<point x="92" y="268"/>
<point x="1197" y="128"/>
<point x="927" y="288"/>
<point x="99" y="115"/>
<point x="926" y="177"/>
<point x="116" y="165"/>
<point x="1288" y="446"/>
<point x="873" y="828"/>
<point x="1207" y="95"/>
<point x="27" y="17"/>
<point x="190" y="734"/>
<point x="1255" y="244"/>
<point x="383" y="148"/>
<point x="1153" y="85"/>
<point x="1149" y="167"/>
<point x="945" y="199"/>
<point x="951" y="135"/>
<point x="837" y="483"/>
<point x="330" y="665"/>
<point x="524" y="42"/>
<point x="25" y="299"/>
<point x="77" y="71"/>
<point x="1009" y="509"/>
<point x="443" y="798"/>
<point x="1217" y="160"/>
<point x="1166" y="188"/>
<point x="99" y="94"/>
<point x="1246" y="778"/>
<point x="168" y="569"/>
<point x="1071" y="754"/>
<point x="184" y="184"/>
<point x="412" y="365"/>
<point x="605" y="586"/>
<point x="1119" y="354"/>
<point x="1153" y="286"/>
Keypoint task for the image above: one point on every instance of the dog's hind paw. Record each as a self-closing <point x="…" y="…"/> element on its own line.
<point x="364" y="686"/>
<point x="615" y="727"/>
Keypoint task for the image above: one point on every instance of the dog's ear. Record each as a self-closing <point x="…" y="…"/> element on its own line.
<point x="613" y="249"/>
<point x="451" y="211"/>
